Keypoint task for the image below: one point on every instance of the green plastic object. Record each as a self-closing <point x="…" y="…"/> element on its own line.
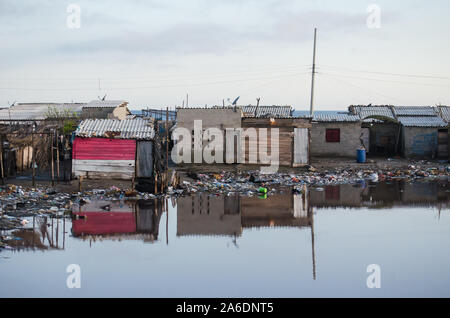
<point x="262" y="190"/>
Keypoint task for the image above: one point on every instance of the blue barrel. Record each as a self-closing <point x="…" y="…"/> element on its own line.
<point x="361" y="155"/>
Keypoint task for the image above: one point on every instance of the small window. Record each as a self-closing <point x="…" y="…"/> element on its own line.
<point x="333" y="135"/>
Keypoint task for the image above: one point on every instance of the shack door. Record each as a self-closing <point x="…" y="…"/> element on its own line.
<point x="144" y="159"/>
<point x="443" y="143"/>
<point x="301" y="147"/>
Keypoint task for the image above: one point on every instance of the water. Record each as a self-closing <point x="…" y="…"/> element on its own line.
<point x="318" y="245"/>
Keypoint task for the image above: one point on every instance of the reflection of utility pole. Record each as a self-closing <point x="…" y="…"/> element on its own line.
<point x="167" y="221"/>
<point x="235" y="240"/>
<point x="311" y="216"/>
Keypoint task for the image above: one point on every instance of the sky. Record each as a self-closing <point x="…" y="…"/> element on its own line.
<point x="154" y="53"/>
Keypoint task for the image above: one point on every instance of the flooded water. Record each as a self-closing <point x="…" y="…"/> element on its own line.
<point x="318" y="244"/>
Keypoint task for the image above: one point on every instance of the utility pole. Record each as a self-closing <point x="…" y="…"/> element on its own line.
<point x="311" y="110"/>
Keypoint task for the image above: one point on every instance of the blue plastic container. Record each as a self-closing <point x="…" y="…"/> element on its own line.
<point x="361" y="156"/>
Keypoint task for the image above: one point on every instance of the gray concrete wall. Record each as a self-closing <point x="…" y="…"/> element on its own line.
<point x="420" y="142"/>
<point x="97" y="112"/>
<point x="349" y="141"/>
<point x="211" y="118"/>
<point x="220" y="118"/>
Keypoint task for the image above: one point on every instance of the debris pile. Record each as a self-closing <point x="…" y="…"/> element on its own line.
<point x="248" y="183"/>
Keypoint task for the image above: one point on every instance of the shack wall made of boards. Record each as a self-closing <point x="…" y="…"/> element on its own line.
<point x="265" y="131"/>
<point x="104" y="158"/>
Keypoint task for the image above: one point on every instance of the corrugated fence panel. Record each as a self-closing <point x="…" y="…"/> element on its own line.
<point x="104" y="149"/>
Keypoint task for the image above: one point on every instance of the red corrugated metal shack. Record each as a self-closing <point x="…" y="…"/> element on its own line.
<point x="113" y="149"/>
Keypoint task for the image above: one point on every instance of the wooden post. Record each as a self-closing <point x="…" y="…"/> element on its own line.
<point x="156" y="182"/>
<point x="21" y="164"/>
<point x="80" y="181"/>
<point x="33" y="154"/>
<point x="162" y="182"/>
<point x="57" y="157"/>
<point x="1" y="160"/>
<point x="53" y="159"/>
<point x="167" y="221"/>
<point x="167" y="139"/>
<point x="132" y="183"/>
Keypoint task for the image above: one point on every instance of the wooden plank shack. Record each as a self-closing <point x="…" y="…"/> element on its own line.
<point x="286" y="128"/>
<point x="113" y="149"/>
<point x="99" y="158"/>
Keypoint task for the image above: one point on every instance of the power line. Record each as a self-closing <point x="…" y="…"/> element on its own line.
<point x="359" y="87"/>
<point x="383" y="80"/>
<point x="151" y="87"/>
<point x="146" y="78"/>
<point x="387" y="73"/>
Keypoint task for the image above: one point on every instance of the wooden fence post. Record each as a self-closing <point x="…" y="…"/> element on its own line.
<point x="1" y="159"/>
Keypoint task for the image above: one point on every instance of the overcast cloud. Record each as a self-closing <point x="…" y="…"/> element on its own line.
<point x="153" y="53"/>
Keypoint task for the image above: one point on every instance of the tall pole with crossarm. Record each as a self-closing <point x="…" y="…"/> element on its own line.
<point x="311" y="109"/>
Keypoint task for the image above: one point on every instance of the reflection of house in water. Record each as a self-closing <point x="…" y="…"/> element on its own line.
<point x="118" y="219"/>
<point x="338" y="196"/>
<point x="383" y="195"/>
<point x="226" y="215"/>
<point x="205" y="214"/>
<point x="46" y="233"/>
<point x="278" y="210"/>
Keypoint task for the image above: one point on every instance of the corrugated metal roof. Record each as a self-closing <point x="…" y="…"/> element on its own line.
<point x="374" y="111"/>
<point x="422" y="121"/>
<point x="328" y="116"/>
<point x="136" y="128"/>
<point x="444" y="113"/>
<point x="105" y="103"/>
<point x="38" y="111"/>
<point x="267" y="111"/>
<point x="345" y="117"/>
<point x="414" y="111"/>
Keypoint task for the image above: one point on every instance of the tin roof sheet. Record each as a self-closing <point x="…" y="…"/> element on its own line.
<point x="414" y="111"/>
<point x="422" y="121"/>
<point x="374" y="111"/>
<point x="328" y="116"/>
<point x="137" y="128"/>
<point x="38" y="111"/>
<point x="267" y="111"/>
<point x="105" y="103"/>
<point x="444" y="112"/>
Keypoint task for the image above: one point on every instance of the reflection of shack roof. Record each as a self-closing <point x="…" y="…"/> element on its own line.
<point x="136" y="128"/>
